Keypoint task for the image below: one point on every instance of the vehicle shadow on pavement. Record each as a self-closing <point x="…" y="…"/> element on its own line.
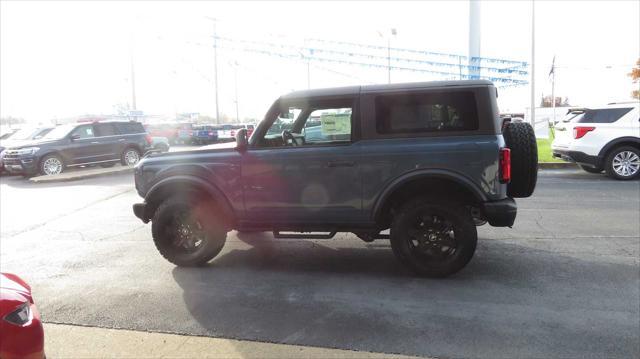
<point x="116" y="179"/>
<point x="541" y="302"/>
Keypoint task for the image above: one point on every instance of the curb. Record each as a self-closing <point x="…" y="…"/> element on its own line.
<point x="556" y="165"/>
<point x="81" y="174"/>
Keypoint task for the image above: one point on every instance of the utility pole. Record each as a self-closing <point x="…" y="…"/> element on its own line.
<point x="133" y="73"/>
<point x="381" y="34"/>
<point x="215" y="66"/>
<point x="553" y="88"/>
<point x="533" y="64"/>
<point x="235" y="76"/>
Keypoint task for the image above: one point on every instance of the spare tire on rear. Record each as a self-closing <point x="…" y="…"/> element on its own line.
<point x="521" y="139"/>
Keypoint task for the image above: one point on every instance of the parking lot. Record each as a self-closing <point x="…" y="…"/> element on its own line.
<point x="563" y="282"/>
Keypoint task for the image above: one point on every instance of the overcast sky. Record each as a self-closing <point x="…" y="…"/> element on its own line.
<point x="61" y="59"/>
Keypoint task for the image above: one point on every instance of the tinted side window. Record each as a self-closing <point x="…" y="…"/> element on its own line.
<point x="127" y="128"/>
<point x="426" y="112"/>
<point x="105" y="129"/>
<point x="605" y="115"/>
<point x="84" y="131"/>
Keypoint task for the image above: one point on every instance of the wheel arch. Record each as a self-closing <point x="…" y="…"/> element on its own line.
<point x="187" y="185"/>
<point x="620" y="141"/>
<point x="425" y="182"/>
<point x="65" y="161"/>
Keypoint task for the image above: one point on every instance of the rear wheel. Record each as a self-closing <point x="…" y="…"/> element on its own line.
<point x="433" y="238"/>
<point x="591" y="169"/>
<point x="187" y="233"/>
<point x="623" y="163"/>
<point x="51" y="165"/>
<point x="130" y="156"/>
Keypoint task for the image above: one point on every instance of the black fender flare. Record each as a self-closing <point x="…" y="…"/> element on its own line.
<point x="613" y="143"/>
<point x="425" y="174"/>
<point x="187" y="183"/>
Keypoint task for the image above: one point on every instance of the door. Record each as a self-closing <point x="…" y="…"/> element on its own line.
<point x="304" y="169"/>
<point x="83" y="146"/>
<point x="110" y="144"/>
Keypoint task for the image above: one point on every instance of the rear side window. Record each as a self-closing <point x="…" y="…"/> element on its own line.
<point x="127" y="128"/>
<point x="605" y="115"/>
<point x="105" y="129"/>
<point x="426" y="112"/>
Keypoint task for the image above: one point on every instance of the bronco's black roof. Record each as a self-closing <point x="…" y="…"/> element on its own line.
<point x="354" y="90"/>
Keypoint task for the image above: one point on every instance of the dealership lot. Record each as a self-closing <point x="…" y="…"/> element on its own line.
<point x="563" y="282"/>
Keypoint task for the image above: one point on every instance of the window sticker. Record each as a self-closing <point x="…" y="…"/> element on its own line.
<point x="336" y="124"/>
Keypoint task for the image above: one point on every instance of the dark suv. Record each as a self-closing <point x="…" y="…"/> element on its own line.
<point x="103" y="143"/>
<point x="426" y="161"/>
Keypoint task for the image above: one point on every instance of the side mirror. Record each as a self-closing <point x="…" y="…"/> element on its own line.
<point x="75" y="136"/>
<point x="242" y="142"/>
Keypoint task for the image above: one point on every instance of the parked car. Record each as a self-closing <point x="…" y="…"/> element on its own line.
<point x="248" y="127"/>
<point x="204" y="134"/>
<point x="5" y="134"/>
<point x="185" y="133"/>
<point x="160" y="144"/>
<point x="21" y="331"/>
<point x="20" y="137"/>
<point x="228" y="132"/>
<point x="600" y="139"/>
<point x="166" y="130"/>
<point x="103" y="143"/>
<point x="428" y="161"/>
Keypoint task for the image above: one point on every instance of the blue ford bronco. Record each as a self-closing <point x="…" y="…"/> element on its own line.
<point x="426" y="161"/>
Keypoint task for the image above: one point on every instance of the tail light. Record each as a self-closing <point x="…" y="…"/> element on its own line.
<point x="580" y="131"/>
<point x="233" y="133"/>
<point x="505" y="165"/>
<point x="149" y="139"/>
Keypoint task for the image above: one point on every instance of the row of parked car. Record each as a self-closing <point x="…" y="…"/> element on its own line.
<point x="197" y="134"/>
<point x="51" y="150"/>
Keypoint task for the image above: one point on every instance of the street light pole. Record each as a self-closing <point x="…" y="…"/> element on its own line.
<point x="389" y="58"/>
<point x="533" y="64"/>
<point x="215" y="66"/>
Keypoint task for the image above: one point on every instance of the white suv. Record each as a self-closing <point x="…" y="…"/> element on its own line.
<point x="603" y="138"/>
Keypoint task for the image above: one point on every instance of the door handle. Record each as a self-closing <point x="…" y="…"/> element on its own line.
<point x="121" y="140"/>
<point x="341" y="164"/>
<point x="95" y="143"/>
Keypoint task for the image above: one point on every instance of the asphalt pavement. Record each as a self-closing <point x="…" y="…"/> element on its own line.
<point x="563" y="282"/>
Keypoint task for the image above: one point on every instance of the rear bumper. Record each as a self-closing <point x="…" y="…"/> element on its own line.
<point x="578" y="157"/>
<point x="501" y="213"/>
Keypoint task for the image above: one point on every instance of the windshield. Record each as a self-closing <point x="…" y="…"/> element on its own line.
<point x="59" y="132"/>
<point x="25" y="134"/>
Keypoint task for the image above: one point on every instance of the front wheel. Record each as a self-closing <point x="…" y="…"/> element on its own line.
<point x="186" y="233"/>
<point x="51" y="165"/>
<point x="433" y="238"/>
<point x="623" y="163"/>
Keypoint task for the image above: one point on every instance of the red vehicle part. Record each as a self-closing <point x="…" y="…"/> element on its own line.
<point x="21" y="332"/>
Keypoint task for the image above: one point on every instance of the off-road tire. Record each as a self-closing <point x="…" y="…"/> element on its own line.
<point x="591" y="169"/>
<point x="204" y="212"/>
<point x="463" y="226"/>
<point x="609" y="168"/>
<point x="521" y="139"/>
